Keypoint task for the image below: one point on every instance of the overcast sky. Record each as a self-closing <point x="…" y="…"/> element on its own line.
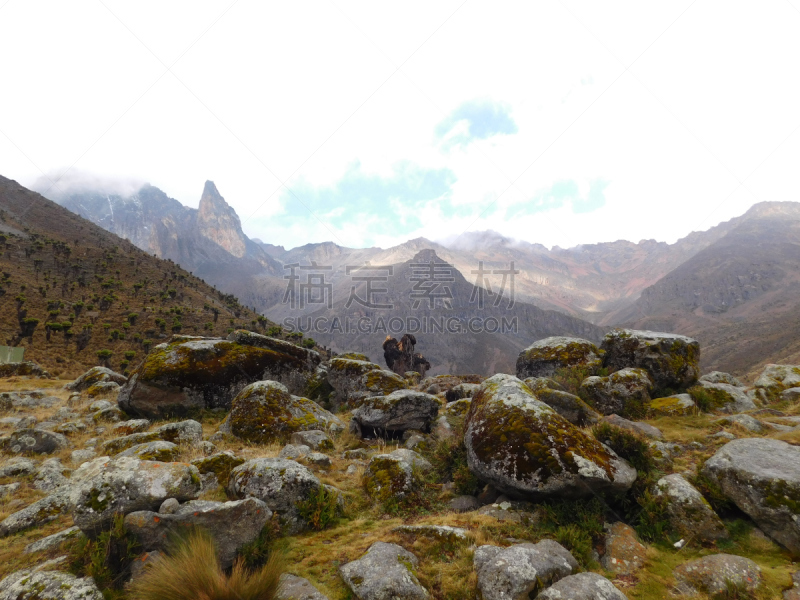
<point x="557" y="122"/>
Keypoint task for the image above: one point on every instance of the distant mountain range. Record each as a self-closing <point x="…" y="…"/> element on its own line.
<point x="731" y="286"/>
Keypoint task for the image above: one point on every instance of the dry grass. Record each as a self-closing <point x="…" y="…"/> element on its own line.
<point x="191" y="571"/>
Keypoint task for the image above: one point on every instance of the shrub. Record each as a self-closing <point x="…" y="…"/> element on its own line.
<point x="108" y="557"/>
<point x="633" y="448"/>
<point x="274" y="331"/>
<point x="575" y="524"/>
<point x="191" y="570"/>
<point x="309" y="343"/>
<point x="449" y="459"/>
<point x="321" y="509"/>
<point x="707" y="399"/>
<point x="129" y="354"/>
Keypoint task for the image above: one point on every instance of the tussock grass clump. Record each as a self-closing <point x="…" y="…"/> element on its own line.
<point x="449" y="459"/>
<point x="191" y="571"/>
<point x="321" y="509"/>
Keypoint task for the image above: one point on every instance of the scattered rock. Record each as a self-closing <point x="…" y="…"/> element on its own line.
<point x="48" y="585"/>
<point x="461" y="391"/>
<point x="762" y="477"/>
<point x="158" y="450"/>
<point x="715" y="574"/>
<point x="671" y="360"/>
<point x="129" y="427"/>
<point x="266" y="412"/>
<point x="385" y="572"/>
<point x="458" y="408"/>
<point x="389" y="416"/>
<point x="14" y="467"/>
<point x="314" y="439"/>
<point x="117" y="445"/>
<point x="582" y="586"/>
<point x="744" y="421"/>
<point x="525" y="449"/>
<point x="520" y="571"/>
<point x="635" y="426"/>
<point x="464" y="504"/>
<point x="720" y="377"/>
<point x="104" y="388"/>
<point x="440" y="532"/>
<point x="36" y="441"/>
<point x="679" y="405"/>
<point x="725" y="435"/>
<point x="278" y="482"/>
<point x="78" y="457"/>
<point x="689" y="513"/>
<point x="625" y="554"/>
<point x="626" y="392"/>
<point x="220" y="464"/>
<point x="41" y="511"/>
<point x="93" y="376"/>
<point x="544" y="357"/>
<point x="728" y="398"/>
<point x="388" y="476"/>
<point x="357" y="454"/>
<point x="169" y="506"/>
<point x="104" y="487"/>
<point x="354" y="380"/>
<point x="50" y="477"/>
<point x="53" y="541"/>
<point x="318" y="459"/>
<point x="776" y="378"/>
<point x="292" y="587"/>
<point x="294" y="451"/>
<point x="231" y="524"/>
<point x="569" y="406"/>
<point x="23" y="369"/>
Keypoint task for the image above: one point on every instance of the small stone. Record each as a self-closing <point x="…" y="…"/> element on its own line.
<point x="624" y="553"/>
<point x="168" y="506"/>
<point x="464" y="504"/>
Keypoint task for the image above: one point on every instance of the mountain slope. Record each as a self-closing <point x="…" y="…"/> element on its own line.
<point x="79" y="289"/>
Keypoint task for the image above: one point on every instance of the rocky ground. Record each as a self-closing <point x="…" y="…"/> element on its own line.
<point x="598" y="473"/>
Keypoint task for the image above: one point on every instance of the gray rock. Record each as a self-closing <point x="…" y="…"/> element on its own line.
<point x="129" y="427"/>
<point x="318" y="459"/>
<point x="520" y="571"/>
<point x="525" y="449"/>
<point x="8" y="489"/>
<point x="624" y="554"/>
<point x="725" y="435"/>
<point x="388" y="476"/>
<point x="791" y="394"/>
<point x="569" y="406"/>
<point x="583" y="586"/>
<point x="182" y="432"/>
<point x="169" y="506"/>
<point x="625" y="393"/>
<point x="314" y="439"/>
<point x="357" y="454"/>
<point x="53" y="541"/>
<point x="461" y="391"/>
<point x="689" y="513"/>
<point x="464" y="504"/>
<point x="440" y="532"/>
<point x="48" y="585"/>
<point x="294" y="452"/>
<point x="385" y="572"/>
<point x="544" y="357"/>
<point x="103" y="388"/>
<point x="37" y="441"/>
<point x="41" y="511"/>
<point x="158" y="450"/>
<point x="70" y="428"/>
<point x="776" y="378"/>
<point x="714" y="574"/>
<point x="231" y="524"/>
<point x="142" y="562"/>
<point x="671" y="360"/>
<point x="17" y="466"/>
<point x="720" y="377"/>
<point x="745" y="421"/>
<point x="278" y="482"/>
<point x="353" y="380"/>
<point x="297" y="588"/>
<point x="400" y="411"/>
<point x="731" y="399"/>
<point x="635" y="426"/>
<point x="99" y="405"/>
<point x="78" y="457"/>
<point x="93" y="376"/>
<point x="117" y="445"/>
<point x="50" y="477"/>
<point x="412" y="458"/>
<point x="220" y="465"/>
<point x="104" y="487"/>
<point x="762" y="477"/>
<point x="108" y="415"/>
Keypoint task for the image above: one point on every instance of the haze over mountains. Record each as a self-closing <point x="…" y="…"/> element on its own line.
<point x="732" y="286"/>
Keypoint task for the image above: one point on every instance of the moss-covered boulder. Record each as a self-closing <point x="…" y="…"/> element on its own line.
<point x="525" y="449"/>
<point x="265" y="412"/>
<point x="158" y="450"/>
<point x="690" y="515"/>
<point x="776" y="378"/>
<point x="673" y="361"/>
<point x="391" y="415"/>
<point x="353" y="380"/>
<point x="678" y="405"/>
<point x="280" y="483"/>
<point x="94" y="376"/>
<point x="544" y="357"/>
<point x="441" y="384"/>
<point x="220" y="464"/>
<point x="569" y="406"/>
<point x="762" y="477"/>
<point x="625" y="393"/>
<point x="388" y="477"/>
<point x="23" y="369"/>
<point x="185" y="375"/>
<point x="721" y="397"/>
<point x="104" y="487"/>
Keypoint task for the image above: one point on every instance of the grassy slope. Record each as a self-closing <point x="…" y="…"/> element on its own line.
<point x="56" y="260"/>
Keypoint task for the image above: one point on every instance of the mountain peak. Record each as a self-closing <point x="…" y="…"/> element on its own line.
<point x="217" y="221"/>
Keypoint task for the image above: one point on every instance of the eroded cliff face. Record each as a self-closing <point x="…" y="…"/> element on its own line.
<point x="217" y="221"/>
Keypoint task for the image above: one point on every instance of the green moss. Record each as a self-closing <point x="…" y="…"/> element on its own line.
<point x="386" y="479"/>
<point x="709" y="399"/>
<point x="384" y="382"/>
<point x="96" y="503"/>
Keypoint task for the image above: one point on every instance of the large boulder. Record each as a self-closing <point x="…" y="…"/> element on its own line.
<point x="717" y="574"/>
<point x="726" y="398"/>
<point x="678" y="405"/>
<point x="353" y="380"/>
<point x="265" y="412"/>
<point x="104" y="487"/>
<point x="278" y="482"/>
<point x="762" y="477"/>
<point x="385" y="572"/>
<point x="392" y="476"/>
<point x="231" y="524"/>
<point x="569" y="406"/>
<point x="690" y="515"/>
<point x="625" y="392"/>
<point x="525" y="449"/>
<point x="23" y="369"/>
<point x="520" y="571"/>
<point x="582" y="586"/>
<point x="776" y="378"/>
<point x="673" y="361"/>
<point x="39" y="512"/>
<point x="94" y="376"/>
<point x="387" y="416"/>
<point x="544" y="357"/>
<point x="188" y="374"/>
<point x="30" y="584"/>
